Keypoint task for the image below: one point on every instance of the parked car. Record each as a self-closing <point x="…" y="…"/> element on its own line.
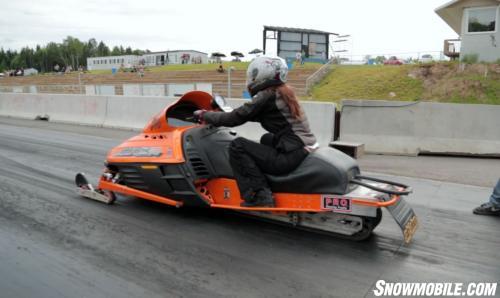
<point x="426" y="58"/>
<point x="393" y="61"/>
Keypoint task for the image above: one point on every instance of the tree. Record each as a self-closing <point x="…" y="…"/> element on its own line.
<point x="380" y="59"/>
<point x="3" y="60"/>
<point x="102" y="49"/>
<point x="71" y="51"/>
<point x="53" y="55"/>
<point x="137" y="52"/>
<point x="90" y="48"/>
<point x="116" y="51"/>
<point x="18" y="62"/>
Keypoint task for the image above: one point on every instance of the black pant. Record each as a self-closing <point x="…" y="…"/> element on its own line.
<point x="250" y="160"/>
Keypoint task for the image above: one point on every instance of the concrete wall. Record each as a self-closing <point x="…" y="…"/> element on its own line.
<point x="90" y="110"/>
<point x="408" y="128"/>
<point x="320" y="116"/>
<point x="134" y="112"/>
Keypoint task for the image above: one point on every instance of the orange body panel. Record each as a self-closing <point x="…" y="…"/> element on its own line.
<point x="158" y="134"/>
<point x="170" y="143"/>
<point x="225" y="194"/>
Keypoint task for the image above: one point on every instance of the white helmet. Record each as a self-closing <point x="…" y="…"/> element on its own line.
<point x="264" y="72"/>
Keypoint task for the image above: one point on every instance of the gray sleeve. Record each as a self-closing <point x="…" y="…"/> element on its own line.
<point x="246" y="112"/>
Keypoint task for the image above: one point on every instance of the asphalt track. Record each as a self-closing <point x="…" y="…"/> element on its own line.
<point x="55" y="244"/>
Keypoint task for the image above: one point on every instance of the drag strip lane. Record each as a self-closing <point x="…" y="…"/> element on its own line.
<point x="55" y="244"/>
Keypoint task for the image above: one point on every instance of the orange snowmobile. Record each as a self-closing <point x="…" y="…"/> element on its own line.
<point x="178" y="162"/>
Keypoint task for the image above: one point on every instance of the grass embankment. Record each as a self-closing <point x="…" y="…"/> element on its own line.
<point x="368" y="82"/>
<point x="205" y="67"/>
<point x="441" y="82"/>
<point x="184" y="67"/>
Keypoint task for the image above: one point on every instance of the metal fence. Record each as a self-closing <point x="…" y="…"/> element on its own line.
<point x="407" y="57"/>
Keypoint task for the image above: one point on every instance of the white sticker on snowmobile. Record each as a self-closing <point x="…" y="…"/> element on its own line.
<point x="336" y="204"/>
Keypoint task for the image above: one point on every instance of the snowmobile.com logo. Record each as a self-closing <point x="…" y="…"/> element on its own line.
<point x="434" y="289"/>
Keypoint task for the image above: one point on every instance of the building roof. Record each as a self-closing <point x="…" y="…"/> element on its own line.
<point x="297" y="30"/>
<point x="188" y="51"/>
<point x="112" y="57"/>
<point x="451" y="12"/>
<point x="161" y="52"/>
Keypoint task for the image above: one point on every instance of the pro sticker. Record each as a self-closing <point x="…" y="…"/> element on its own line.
<point x="336" y="204"/>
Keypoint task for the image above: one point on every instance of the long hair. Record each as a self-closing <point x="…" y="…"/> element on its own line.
<point x="290" y="99"/>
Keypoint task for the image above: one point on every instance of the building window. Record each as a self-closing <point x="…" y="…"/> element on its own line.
<point x="481" y="19"/>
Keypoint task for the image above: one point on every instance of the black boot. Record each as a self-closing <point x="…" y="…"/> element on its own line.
<point x="262" y="198"/>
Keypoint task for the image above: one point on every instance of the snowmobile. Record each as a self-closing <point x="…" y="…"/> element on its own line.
<point x="179" y="162"/>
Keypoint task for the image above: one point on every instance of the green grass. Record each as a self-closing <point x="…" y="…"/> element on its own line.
<point x="184" y="67"/>
<point x="368" y="82"/>
<point x="204" y="67"/>
<point x="445" y="82"/>
<point x="199" y="67"/>
<point x="473" y="88"/>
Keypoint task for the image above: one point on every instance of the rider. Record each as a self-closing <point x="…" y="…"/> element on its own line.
<point x="280" y="151"/>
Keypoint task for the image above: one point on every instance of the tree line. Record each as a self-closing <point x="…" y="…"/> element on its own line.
<point x="71" y="52"/>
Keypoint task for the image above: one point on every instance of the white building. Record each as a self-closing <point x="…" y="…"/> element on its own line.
<point x="110" y="62"/>
<point x="175" y="57"/>
<point x="148" y="59"/>
<point x="477" y="24"/>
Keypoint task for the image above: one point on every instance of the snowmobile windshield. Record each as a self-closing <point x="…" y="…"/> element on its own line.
<point x="181" y="114"/>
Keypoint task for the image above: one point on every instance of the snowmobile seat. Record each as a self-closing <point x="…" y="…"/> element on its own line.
<point x="325" y="171"/>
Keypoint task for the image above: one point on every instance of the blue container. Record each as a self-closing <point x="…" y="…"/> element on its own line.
<point x="246" y="95"/>
<point x="113" y="70"/>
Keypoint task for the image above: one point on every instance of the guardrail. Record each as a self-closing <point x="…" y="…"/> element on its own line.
<point x="130" y="89"/>
<point x="133" y="112"/>
<point x="318" y="75"/>
<point x="412" y="128"/>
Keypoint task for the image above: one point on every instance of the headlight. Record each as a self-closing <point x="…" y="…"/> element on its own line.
<point x="140" y="152"/>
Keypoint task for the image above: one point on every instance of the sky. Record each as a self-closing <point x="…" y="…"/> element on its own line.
<point x="375" y="27"/>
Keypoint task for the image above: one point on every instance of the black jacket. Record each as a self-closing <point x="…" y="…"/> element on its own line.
<point x="268" y="108"/>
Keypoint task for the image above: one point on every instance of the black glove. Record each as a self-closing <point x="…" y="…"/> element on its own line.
<point x="198" y="116"/>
